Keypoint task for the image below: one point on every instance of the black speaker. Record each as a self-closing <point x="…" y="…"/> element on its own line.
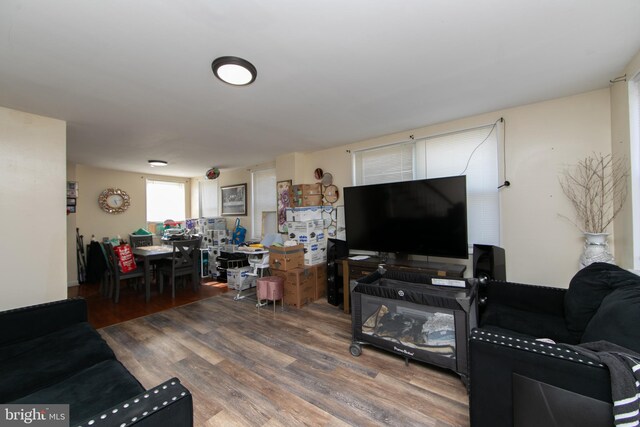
<point x="336" y="249"/>
<point x="488" y="263"/>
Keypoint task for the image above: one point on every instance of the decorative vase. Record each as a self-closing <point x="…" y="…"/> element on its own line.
<point x="596" y="249"/>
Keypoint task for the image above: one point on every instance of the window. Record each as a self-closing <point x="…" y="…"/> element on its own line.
<point x="208" y="191"/>
<point x="472" y="152"/>
<point x="385" y="164"/>
<point x="263" y="197"/>
<point x="165" y="200"/>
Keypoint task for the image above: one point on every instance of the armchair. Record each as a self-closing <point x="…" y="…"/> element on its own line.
<point x="525" y="370"/>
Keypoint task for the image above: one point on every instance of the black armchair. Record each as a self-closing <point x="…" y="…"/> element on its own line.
<point x="524" y="368"/>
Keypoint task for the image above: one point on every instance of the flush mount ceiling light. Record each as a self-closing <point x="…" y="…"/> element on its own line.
<point x="234" y="71"/>
<point x="157" y="163"/>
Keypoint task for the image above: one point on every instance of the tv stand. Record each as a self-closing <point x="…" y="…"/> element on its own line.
<point x="355" y="269"/>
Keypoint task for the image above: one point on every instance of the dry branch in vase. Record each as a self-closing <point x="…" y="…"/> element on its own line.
<point x="597" y="189"/>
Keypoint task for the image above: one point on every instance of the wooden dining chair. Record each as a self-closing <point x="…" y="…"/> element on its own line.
<point x="184" y="262"/>
<point x="116" y="275"/>
<point x="140" y="240"/>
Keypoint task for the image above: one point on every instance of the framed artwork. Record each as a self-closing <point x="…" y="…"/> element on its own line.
<point x="234" y="200"/>
<point x="283" y="189"/>
<point x="72" y="189"/>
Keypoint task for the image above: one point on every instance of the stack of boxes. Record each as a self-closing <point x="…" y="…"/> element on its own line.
<point x="213" y="230"/>
<point x="311" y="235"/>
<point x="302" y="266"/>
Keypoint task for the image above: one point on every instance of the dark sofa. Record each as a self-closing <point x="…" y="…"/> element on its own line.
<point x="49" y="354"/>
<point x="518" y="379"/>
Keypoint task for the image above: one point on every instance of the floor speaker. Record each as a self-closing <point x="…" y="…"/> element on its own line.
<point x="336" y="249"/>
<point x="489" y="263"/>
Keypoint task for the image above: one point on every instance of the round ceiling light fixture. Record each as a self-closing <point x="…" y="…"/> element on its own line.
<point x="157" y="163"/>
<point x="234" y="71"/>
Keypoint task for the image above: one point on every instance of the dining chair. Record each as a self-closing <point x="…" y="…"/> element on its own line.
<point x="184" y="262"/>
<point x="116" y="275"/>
<point x="140" y="240"/>
<point x="137" y="240"/>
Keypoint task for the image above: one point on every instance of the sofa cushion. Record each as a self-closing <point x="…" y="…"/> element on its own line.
<point x="530" y="323"/>
<point x="617" y="319"/>
<point x="28" y="366"/>
<point x="89" y="391"/>
<point x="587" y="290"/>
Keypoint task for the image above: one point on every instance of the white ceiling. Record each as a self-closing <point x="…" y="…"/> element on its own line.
<point x="133" y="78"/>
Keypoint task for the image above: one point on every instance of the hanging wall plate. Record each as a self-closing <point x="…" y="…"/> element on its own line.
<point x="327" y="179"/>
<point x="114" y="200"/>
<point x="331" y="194"/>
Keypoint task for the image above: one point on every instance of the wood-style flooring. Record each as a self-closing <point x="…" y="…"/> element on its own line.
<point x="102" y="311"/>
<point x="250" y="367"/>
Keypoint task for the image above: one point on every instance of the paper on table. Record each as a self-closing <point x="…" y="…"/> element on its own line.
<point x="359" y="257"/>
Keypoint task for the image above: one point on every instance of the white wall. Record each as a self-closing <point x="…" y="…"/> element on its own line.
<point x="33" y="206"/>
<point x="541" y="246"/>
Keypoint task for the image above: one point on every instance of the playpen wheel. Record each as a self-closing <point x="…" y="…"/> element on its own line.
<point x="355" y="349"/>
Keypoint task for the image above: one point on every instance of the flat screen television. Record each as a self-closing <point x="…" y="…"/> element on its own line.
<point x="423" y="217"/>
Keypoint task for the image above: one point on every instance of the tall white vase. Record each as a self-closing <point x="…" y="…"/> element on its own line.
<point x="596" y="249"/>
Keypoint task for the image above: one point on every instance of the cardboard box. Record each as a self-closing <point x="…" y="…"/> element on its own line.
<point x="320" y="280"/>
<point x="299" y="286"/>
<point x="315" y="253"/>
<point x="312" y="200"/>
<point x="239" y="278"/>
<point x="306" y="195"/>
<point x="308" y="213"/>
<point x="306" y="231"/>
<point x="300" y="190"/>
<point x="286" y="257"/>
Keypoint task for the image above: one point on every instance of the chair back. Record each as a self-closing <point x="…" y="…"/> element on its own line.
<point x="112" y="260"/>
<point x="185" y="254"/>
<point x="140" y="240"/>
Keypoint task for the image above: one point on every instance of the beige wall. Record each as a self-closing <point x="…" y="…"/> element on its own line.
<point x="33" y="206"/>
<point x="625" y="236"/>
<point x="91" y="220"/>
<point x="541" y="246"/>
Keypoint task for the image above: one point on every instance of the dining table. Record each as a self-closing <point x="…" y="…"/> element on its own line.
<point x="149" y="254"/>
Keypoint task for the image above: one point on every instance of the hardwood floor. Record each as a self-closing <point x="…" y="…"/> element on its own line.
<point x="102" y="311"/>
<point x="250" y="367"/>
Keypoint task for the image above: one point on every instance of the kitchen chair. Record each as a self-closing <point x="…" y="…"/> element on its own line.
<point x="140" y="240"/>
<point x="116" y="275"/>
<point x="137" y="240"/>
<point x="184" y="262"/>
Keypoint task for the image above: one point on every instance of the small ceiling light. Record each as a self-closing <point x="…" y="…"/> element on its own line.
<point x="157" y="163"/>
<point x="234" y="71"/>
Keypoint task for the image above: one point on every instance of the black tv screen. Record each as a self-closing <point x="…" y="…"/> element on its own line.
<point x="423" y="217"/>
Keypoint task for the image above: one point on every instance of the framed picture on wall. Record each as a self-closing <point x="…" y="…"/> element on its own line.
<point x="234" y="200"/>
<point x="283" y="189"/>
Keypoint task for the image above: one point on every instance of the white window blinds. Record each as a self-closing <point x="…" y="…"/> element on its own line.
<point x="472" y="152"/>
<point x="208" y="198"/>
<point x="386" y="164"/>
<point x="263" y="198"/>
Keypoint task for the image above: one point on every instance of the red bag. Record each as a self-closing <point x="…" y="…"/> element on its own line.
<point x="126" y="261"/>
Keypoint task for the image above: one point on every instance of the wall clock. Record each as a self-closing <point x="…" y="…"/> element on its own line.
<point x="114" y="200"/>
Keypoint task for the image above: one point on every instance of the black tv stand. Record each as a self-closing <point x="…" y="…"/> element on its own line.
<point x="355" y="269"/>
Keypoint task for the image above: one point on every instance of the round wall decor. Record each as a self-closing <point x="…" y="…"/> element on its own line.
<point x="114" y="200"/>
<point x="331" y="193"/>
